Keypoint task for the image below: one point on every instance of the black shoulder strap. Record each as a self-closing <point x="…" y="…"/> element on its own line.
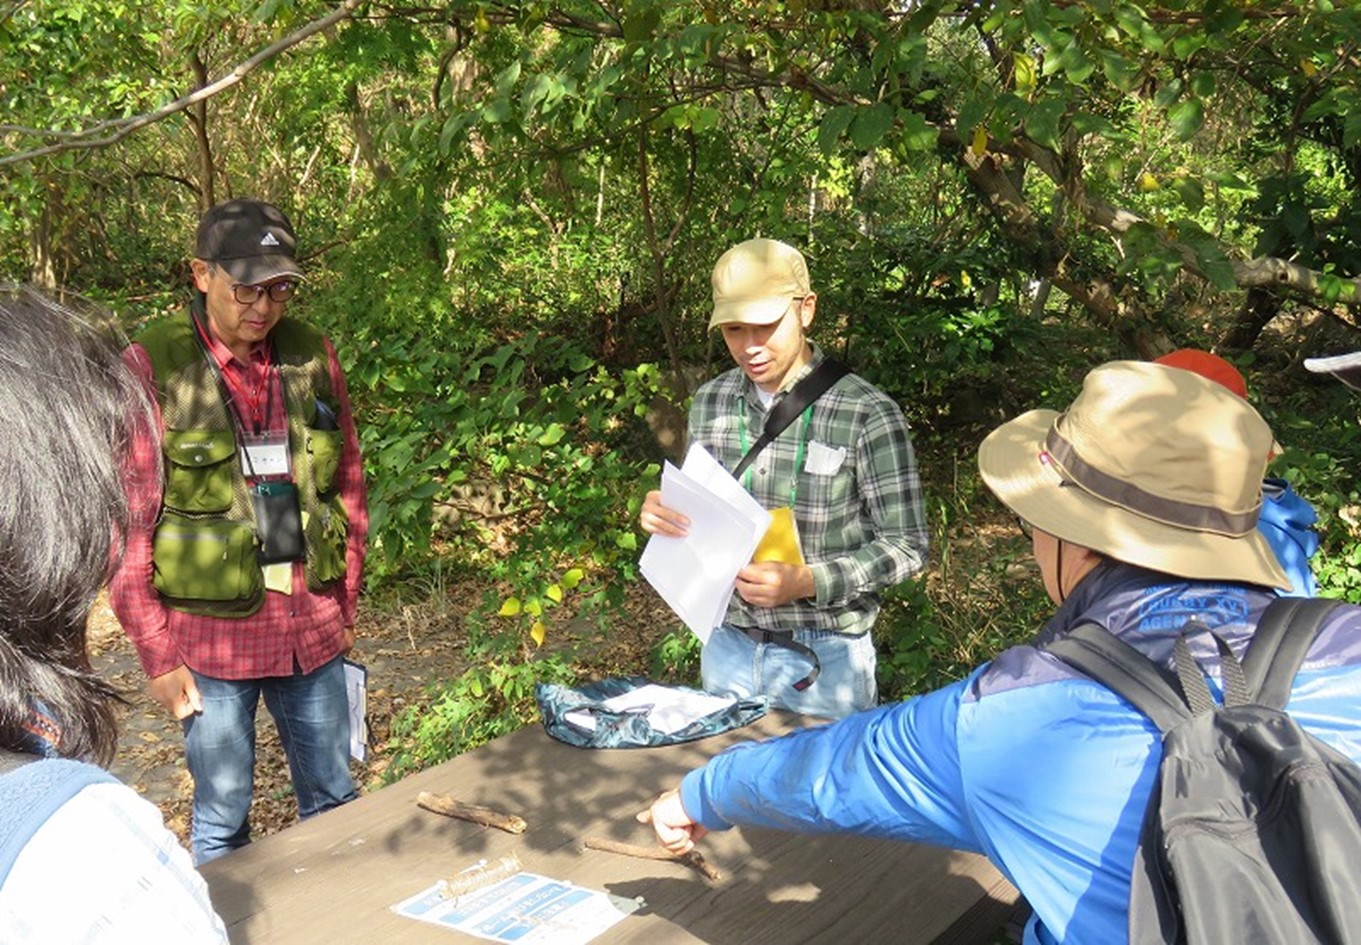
<point x="1150" y="688"/>
<point x="805" y="392"/>
<point x="1279" y="645"/>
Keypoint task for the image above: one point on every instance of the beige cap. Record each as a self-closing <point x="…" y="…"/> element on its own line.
<point x="755" y="281"/>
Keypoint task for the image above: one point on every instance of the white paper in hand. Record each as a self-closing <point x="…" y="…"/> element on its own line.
<point x="696" y="574"/>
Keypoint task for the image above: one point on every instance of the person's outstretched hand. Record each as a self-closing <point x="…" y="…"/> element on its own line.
<point x="676" y="832"/>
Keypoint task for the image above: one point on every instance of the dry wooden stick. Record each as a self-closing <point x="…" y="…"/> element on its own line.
<point x="693" y="859"/>
<point x="486" y="816"/>
<point x="477" y="877"/>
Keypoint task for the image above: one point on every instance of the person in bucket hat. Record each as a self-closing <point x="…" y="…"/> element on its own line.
<point x="841" y="479"/>
<point x="244" y="564"/>
<point x="1141" y="500"/>
<point x="1286" y="521"/>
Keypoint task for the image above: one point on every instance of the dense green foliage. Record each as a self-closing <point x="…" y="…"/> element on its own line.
<point x="509" y="212"/>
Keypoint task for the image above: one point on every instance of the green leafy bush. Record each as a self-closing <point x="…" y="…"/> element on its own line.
<point x="1318" y="425"/>
<point x="484" y="703"/>
<point x="675" y="658"/>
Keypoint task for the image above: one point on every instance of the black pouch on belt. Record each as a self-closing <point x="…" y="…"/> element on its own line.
<point x="278" y="520"/>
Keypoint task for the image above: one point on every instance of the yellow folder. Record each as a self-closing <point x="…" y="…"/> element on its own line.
<point x="781" y="540"/>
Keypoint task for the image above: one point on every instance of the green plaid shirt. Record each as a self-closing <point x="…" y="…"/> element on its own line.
<point x="857" y="504"/>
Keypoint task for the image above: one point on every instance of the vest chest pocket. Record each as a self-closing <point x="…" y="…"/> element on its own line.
<point x="199" y="470"/>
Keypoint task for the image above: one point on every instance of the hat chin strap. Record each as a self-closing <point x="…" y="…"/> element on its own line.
<point x="1058" y="568"/>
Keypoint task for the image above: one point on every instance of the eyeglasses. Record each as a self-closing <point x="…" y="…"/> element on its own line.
<point x="250" y="294"/>
<point x="1025" y="527"/>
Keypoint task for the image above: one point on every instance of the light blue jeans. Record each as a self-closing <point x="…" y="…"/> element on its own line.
<point x="731" y="664"/>
<point x="219" y="745"/>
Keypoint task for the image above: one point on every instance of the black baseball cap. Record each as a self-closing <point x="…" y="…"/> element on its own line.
<point x="251" y="239"/>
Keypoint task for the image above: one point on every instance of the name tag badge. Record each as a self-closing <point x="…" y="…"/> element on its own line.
<point x="265" y="455"/>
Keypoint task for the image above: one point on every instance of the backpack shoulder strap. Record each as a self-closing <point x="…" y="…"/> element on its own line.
<point x="805" y="392"/>
<point x="31" y="793"/>
<point x="1279" y="644"/>
<point x="1150" y="688"/>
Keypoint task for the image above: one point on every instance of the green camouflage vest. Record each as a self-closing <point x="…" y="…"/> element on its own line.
<point x="205" y="549"/>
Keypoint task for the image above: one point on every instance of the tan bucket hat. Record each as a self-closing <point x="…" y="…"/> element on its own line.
<point x="1151" y="465"/>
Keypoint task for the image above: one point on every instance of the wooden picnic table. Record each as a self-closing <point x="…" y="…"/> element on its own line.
<point x="333" y="879"/>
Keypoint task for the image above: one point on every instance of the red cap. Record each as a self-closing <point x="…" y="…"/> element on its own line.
<point x="1207" y="365"/>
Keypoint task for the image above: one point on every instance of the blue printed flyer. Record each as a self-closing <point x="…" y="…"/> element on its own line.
<point x="525" y="909"/>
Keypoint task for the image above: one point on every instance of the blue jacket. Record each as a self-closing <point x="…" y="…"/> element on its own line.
<point x="1287" y="523"/>
<point x="1026" y="761"/>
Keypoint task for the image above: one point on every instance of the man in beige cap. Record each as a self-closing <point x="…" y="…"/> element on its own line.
<point x="1142" y="501"/>
<point x="798" y="628"/>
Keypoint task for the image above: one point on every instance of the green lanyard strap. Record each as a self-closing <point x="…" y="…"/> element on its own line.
<point x="798" y="454"/>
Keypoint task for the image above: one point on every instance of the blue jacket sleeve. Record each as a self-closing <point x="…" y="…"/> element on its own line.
<point x="890" y="772"/>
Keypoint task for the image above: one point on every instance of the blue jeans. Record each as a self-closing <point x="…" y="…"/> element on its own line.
<point x="310" y="713"/>
<point x="731" y="664"/>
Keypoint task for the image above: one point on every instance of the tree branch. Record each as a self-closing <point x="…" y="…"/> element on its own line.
<point x="1251" y="273"/>
<point x="111" y="131"/>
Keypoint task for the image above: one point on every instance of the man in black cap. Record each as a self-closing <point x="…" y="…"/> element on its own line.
<point x="243" y="565"/>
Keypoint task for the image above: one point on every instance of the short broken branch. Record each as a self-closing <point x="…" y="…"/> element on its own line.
<point x="473" y="813"/>
<point x="693" y="859"/>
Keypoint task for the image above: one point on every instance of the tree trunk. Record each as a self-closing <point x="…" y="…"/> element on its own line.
<point x="198" y="116"/>
<point x="363" y="138"/>
<point x="1259" y="308"/>
<point x="43" y="272"/>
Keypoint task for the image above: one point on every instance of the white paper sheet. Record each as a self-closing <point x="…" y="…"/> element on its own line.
<point x="357" y="695"/>
<point x="667" y="709"/>
<point x="696" y="574"/>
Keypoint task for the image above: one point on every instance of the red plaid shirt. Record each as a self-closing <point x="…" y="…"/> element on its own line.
<point x="305" y="628"/>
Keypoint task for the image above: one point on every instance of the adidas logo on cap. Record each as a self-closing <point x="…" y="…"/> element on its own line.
<point x="269" y="240"/>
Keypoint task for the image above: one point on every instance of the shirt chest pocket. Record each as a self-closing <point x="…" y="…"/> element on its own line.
<point x="824" y="460"/>
<point x="827" y="480"/>
<point x="199" y="470"/>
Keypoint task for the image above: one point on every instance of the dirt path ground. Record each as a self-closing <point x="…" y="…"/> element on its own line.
<point x="404" y="651"/>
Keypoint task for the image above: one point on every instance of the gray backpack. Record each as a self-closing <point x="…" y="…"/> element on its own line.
<point x="1253" y="830"/>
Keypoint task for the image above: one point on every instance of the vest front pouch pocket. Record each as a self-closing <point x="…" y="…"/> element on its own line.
<point x="209" y="560"/>
<point x="199" y="470"/>
<point x="328" y="538"/>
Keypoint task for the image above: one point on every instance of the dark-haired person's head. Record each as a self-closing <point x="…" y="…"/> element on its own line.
<point x="69" y="408"/>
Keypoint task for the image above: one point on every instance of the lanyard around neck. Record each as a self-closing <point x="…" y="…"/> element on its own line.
<point x="228" y="386"/>
<point x="798" y="453"/>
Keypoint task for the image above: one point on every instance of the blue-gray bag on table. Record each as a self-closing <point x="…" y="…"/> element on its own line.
<point x="590" y="716"/>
